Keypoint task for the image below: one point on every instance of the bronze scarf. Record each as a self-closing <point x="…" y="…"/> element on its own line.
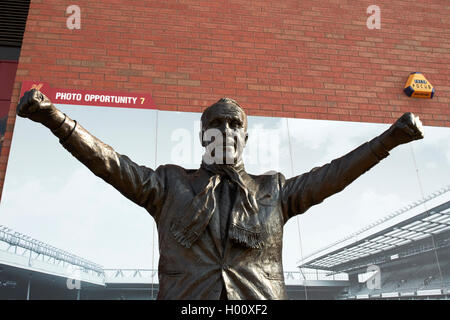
<point x="245" y="227"/>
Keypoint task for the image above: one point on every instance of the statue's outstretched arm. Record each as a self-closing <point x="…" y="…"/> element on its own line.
<point x="140" y="184"/>
<point x="301" y="192"/>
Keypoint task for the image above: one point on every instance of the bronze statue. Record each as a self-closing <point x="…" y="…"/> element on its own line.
<point x="220" y="229"/>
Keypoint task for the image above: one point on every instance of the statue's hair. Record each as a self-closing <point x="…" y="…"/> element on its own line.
<point x="227" y="100"/>
<point x="221" y="102"/>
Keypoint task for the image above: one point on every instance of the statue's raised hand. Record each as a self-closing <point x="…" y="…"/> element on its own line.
<point x="35" y="106"/>
<point x="406" y="129"/>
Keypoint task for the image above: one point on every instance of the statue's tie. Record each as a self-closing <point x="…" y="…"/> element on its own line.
<point x="226" y="200"/>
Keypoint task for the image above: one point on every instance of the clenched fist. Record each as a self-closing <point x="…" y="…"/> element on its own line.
<point x="37" y="107"/>
<point x="406" y="129"/>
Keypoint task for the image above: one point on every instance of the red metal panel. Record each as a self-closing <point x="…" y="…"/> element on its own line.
<point x="7" y="75"/>
<point x="4" y="107"/>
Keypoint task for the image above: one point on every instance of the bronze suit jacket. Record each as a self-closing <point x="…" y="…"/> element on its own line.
<point x="200" y="272"/>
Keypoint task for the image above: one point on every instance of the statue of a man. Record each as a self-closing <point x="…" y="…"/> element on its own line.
<point x="220" y="229"/>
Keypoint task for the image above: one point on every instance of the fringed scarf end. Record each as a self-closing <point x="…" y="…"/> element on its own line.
<point x="245" y="237"/>
<point x="184" y="237"/>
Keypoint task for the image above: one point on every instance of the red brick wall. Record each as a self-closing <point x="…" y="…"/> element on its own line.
<point x="306" y="59"/>
<point x="7" y="75"/>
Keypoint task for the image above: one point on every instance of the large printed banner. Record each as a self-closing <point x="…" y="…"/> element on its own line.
<point x="91" y="97"/>
<point x="51" y="196"/>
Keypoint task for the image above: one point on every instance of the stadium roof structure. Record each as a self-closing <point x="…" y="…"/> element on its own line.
<point x="426" y="231"/>
<point x="15" y="240"/>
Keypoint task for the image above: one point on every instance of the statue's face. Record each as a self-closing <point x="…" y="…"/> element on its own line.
<point x="224" y="134"/>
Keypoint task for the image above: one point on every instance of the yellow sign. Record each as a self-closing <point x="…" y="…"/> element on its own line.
<point x="418" y="86"/>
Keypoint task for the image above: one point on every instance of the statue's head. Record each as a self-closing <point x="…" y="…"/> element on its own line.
<point x="224" y="132"/>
